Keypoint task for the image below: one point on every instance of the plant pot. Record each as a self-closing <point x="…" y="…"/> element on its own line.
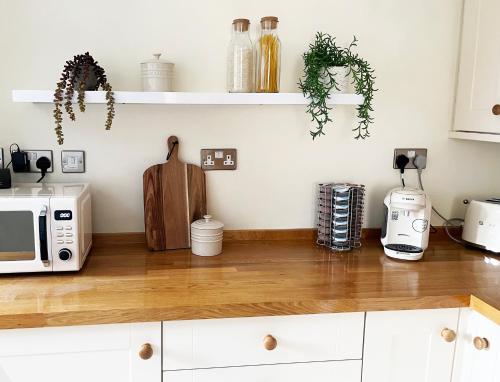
<point x="90" y="84"/>
<point x="342" y="78"/>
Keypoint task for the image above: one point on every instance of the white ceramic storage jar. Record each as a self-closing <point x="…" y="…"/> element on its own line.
<point x="157" y="75"/>
<point x="206" y="236"/>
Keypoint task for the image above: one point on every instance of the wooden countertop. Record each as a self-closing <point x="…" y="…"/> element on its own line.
<point x="123" y="282"/>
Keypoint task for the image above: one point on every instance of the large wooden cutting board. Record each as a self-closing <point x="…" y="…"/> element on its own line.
<point x="174" y="196"/>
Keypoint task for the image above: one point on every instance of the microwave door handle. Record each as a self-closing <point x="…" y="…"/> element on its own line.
<point x="42" y="231"/>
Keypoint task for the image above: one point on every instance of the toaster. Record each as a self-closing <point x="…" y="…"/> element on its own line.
<point x="482" y="225"/>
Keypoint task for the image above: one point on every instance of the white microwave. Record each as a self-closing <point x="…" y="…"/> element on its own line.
<point x="45" y="227"/>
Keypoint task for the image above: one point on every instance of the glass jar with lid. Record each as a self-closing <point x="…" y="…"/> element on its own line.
<point x="240" y="74"/>
<point x="268" y="57"/>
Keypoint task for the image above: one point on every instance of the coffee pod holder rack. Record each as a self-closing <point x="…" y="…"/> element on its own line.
<point x="340" y="209"/>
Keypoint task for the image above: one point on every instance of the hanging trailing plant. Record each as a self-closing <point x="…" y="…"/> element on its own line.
<point x="320" y="79"/>
<point x="81" y="73"/>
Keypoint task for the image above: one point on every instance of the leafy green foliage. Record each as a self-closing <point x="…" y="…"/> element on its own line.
<point x="319" y="80"/>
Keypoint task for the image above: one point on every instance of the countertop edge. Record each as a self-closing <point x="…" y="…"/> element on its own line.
<point x="485" y="309"/>
<point x="131" y="315"/>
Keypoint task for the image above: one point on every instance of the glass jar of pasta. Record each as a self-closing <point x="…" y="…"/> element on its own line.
<point x="268" y="57"/>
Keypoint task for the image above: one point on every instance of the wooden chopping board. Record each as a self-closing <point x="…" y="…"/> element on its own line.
<point x="174" y="196"/>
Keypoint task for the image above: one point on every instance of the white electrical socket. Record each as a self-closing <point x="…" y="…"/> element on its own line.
<point x="73" y="161"/>
<point x="218" y="159"/>
<point x="209" y="161"/>
<point x="33" y="156"/>
<point x="229" y="161"/>
<point x="411" y="153"/>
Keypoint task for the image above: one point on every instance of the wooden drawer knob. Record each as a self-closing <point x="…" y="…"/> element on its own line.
<point x="496" y="110"/>
<point x="146" y="351"/>
<point x="270" y="342"/>
<point x="448" y="335"/>
<point x="481" y="343"/>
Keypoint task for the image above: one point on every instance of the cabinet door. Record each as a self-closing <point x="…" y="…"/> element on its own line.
<point x="341" y="371"/>
<point x="472" y="364"/>
<point x="100" y="353"/>
<point x="479" y="76"/>
<point x="408" y="346"/>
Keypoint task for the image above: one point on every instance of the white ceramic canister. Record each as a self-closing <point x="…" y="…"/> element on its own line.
<point x="206" y="236"/>
<point x="157" y="75"/>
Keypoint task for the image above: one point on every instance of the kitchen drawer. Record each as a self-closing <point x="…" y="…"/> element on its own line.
<point x="240" y="341"/>
<point x="339" y="371"/>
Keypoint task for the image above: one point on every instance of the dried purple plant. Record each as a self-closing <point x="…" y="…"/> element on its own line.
<point x="76" y="74"/>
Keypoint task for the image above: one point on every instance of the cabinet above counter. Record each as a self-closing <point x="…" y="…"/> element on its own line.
<point x="477" y="104"/>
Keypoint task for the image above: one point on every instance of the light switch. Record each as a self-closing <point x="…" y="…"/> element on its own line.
<point x="73" y="161"/>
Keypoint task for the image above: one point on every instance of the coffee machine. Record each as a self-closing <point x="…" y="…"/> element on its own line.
<point x="405" y="232"/>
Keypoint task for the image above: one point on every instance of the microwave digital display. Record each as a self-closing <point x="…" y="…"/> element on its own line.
<point x="63" y="215"/>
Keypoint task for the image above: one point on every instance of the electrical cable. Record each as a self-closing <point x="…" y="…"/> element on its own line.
<point x="433" y="229"/>
<point x="401" y="162"/>
<point x="11" y="151"/>
<point x="447" y="222"/>
<point x="43" y="163"/>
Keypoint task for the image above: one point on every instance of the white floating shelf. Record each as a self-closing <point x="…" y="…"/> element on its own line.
<point x="184" y="98"/>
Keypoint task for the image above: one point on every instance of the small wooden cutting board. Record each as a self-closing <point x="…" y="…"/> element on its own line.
<point x="174" y="196"/>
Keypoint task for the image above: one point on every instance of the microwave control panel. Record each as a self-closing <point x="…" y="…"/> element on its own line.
<point x="64" y="226"/>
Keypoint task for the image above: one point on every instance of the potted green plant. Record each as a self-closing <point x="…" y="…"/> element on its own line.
<point x="81" y="73"/>
<point x="321" y="78"/>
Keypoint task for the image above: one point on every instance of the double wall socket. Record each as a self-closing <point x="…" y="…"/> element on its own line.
<point x="411" y="154"/>
<point x="33" y="156"/>
<point x="218" y="159"/>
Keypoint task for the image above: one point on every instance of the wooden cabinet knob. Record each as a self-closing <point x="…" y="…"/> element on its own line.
<point x="448" y="335"/>
<point x="481" y="343"/>
<point x="496" y="110"/>
<point x="146" y="351"/>
<point x="270" y="342"/>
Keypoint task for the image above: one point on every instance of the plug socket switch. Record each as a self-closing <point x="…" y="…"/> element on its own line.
<point x="218" y="159"/>
<point x="34" y="155"/>
<point x="411" y="154"/>
<point x="73" y="161"/>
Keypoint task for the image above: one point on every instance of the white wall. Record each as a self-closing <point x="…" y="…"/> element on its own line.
<point x="411" y="44"/>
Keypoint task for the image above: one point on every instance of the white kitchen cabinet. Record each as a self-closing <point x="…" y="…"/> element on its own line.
<point x="99" y="353"/>
<point x="341" y="371"/>
<point x="408" y="346"/>
<point x="478" y="89"/>
<point x="227" y="342"/>
<point x="477" y="364"/>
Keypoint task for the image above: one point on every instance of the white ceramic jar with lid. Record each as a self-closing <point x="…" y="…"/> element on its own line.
<point x="206" y="236"/>
<point x="157" y="75"/>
